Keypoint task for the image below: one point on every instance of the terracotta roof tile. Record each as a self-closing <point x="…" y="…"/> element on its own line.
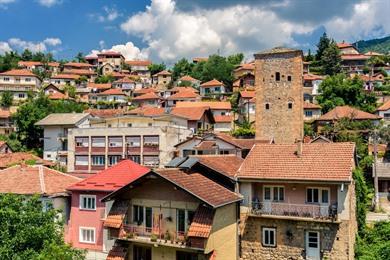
<point x="188" y="78"/>
<point x="37" y="179"/>
<point x="18" y="72"/>
<point x="124" y="80"/>
<point x="139" y="62"/>
<point x="248" y="94"/>
<point x="347" y="112"/>
<point x="190" y="113"/>
<point x="223" y="119"/>
<point x="308" y="105"/>
<point x="385" y="106"/>
<point x="80" y="72"/>
<point x="117" y="214"/>
<point x="57" y="96"/>
<point x="66" y="76"/>
<point x="310" y="77"/>
<point x="4" y="113"/>
<point x="111" y="53"/>
<point x="184" y="94"/>
<point x="162" y="73"/>
<point x="112" y="178"/>
<point x="112" y="91"/>
<point x="225" y="105"/>
<point x="147" y="111"/>
<point x="206" y="145"/>
<point x="203" y="188"/>
<point x="202" y="223"/>
<point x="9" y="159"/>
<point x="117" y="252"/>
<point x="246" y="66"/>
<point x="78" y="65"/>
<point x="212" y="83"/>
<point x="144" y="90"/>
<point x="147" y="96"/>
<point x="241" y="143"/>
<point x="342" y="45"/>
<point x="29" y="63"/>
<point x="99" y="85"/>
<point x="225" y="164"/>
<point x="105" y="112"/>
<point x="318" y="161"/>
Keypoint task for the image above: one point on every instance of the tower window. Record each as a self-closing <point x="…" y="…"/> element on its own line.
<point x="288" y="78"/>
<point x="290" y="105"/>
<point x="267" y="106"/>
<point x="277" y="76"/>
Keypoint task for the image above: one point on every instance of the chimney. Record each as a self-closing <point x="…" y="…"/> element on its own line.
<point x="300" y="147"/>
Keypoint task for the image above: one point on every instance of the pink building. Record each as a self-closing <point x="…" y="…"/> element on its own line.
<point x="88" y="212"/>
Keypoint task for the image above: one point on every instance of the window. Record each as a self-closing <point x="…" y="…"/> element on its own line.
<point x="6" y="79"/>
<point x="267" y="106"/>
<point x="27" y="79"/>
<point x="180" y="255"/>
<point x="217" y="89"/>
<point x="150" y="124"/>
<point x="180" y="215"/>
<point x="81" y="160"/>
<point x="138" y="214"/>
<point x="151" y="160"/>
<point x="129" y="125"/>
<point x="308" y="113"/>
<point x="87" y="235"/>
<point x="290" y="105"/>
<point x="21" y="95"/>
<point x="288" y="78"/>
<point x="269" y="237"/>
<point x="82" y="141"/>
<point x="88" y="202"/>
<point x="317" y="195"/>
<point x="277" y="76"/>
<point x="151" y="141"/>
<point x="135" y="158"/>
<point x="113" y="159"/>
<point x="386" y="115"/>
<point x="115" y="142"/>
<point x="98" y="142"/>
<point x="133" y="141"/>
<point x="148" y="217"/>
<point x="98" y="160"/>
<point x="273" y="193"/>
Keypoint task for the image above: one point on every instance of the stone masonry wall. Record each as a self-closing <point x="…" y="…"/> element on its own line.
<point x="335" y="242"/>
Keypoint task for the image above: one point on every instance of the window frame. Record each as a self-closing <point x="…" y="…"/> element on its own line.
<point x="87" y="196"/>
<point x="320" y="201"/>
<point x="98" y="157"/>
<point x="263" y="236"/>
<point x="81" y="240"/>
<point x="272" y="193"/>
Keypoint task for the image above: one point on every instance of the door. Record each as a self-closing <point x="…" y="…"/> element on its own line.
<point x="313" y="245"/>
<point x="142" y="253"/>
<point x="267" y="200"/>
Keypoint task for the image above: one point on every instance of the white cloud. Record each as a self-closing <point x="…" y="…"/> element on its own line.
<point x="4" y="47"/>
<point x="49" y="3"/>
<point x="128" y="50"/>
<point x="4" y="3"/>
<point x="102" y="44"/>
<point x="34" y="46"/>
<point x="171" y="32"/>
<point x="109" y="14"/>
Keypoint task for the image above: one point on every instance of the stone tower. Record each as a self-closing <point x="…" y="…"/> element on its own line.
<point x="279" y="95"/>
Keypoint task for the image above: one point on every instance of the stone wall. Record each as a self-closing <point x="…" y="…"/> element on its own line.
<point x="277" y="120"/>
<point x="335" y="239"/>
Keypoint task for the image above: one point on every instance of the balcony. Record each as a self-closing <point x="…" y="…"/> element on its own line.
<point x="288" y="210"/>
<point x="151" y="148"/>
<point x="153" y="235"/>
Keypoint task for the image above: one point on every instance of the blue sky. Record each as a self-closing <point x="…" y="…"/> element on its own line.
<point x="166" y="30"/>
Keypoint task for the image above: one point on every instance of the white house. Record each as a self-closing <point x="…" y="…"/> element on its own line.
<point x="19" y="82"/>
<point x="64" y="79"/>
<point x="212" y="87"/>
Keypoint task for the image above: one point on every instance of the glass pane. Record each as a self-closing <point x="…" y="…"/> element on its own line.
<point x="148" y="218"/>
<point x="313" y="245"/>
<point x="315" y="195"/>
<point x="276" y="195"/>
<point x="267" y="193"/>
<point x="266" y="237"/>
<point x="271" y="237"/>
<point x="281" y="193"/>
<point x="309" y="195"/>
<point x="325" y="196"/>
<point x="180" y="220"/>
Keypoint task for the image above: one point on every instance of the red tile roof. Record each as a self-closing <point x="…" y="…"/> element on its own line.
<point x="202" y="222"/>
<point x="57" y="96"/>
<point x="308" y="105"/>
<point x="4" y="113"/>
<point x="117" y="252"/>
<point x="18" y="72"/>
<point x="385" y="106"/>
<point x="310" y="77"/>
<point x="188" y="78"/>
<point x="226" y="164"/>
<point x="105" y="112"/>
<point x="99" y="85"/>
<point x="347" y="112"/>
<point x="139" y="62"/>
<point x="223" y="119"/>
<point x="117" y="214"/>
<point x="246" y="66"/>
<point x="162" y="73"/>
<point x="66" y="76"/>
<point x="110" y="53"/>
<point x="212" y="83"/>
<point x="318" y="161"/>
<point x="182" y="94"/>
<point x="146" y="96"/>
<point x="112" y="91"/>
<point x="190" y="113"/>
<point x="144" y="90"/>
<point x="112" y="178"/>
<point x="147" y="111"/>
<point x="342" y="45"/>
<point x="124" y="80"/>
<point x="37" y="179"/>
<point x="248" y="94"/>
<point x="241" y="143"/>
<point x="213" y="105"/>
<point x="206" y="145"/>
<point x="10" y="159"/>
<point x="29" y="63"/>
<point x="78" y="65"/>
<point x="201" y="187"/>
<point x="80" y="72"/>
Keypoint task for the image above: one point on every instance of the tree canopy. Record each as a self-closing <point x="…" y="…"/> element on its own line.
<point x="7" y="99"/>
<point x="28" y="232"/>
<point x="156" y="68"/>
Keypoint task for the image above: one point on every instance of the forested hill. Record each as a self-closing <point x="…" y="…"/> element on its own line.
<point x="381" y="45"/>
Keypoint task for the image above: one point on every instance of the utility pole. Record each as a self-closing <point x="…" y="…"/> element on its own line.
<point x="375" y="173"/>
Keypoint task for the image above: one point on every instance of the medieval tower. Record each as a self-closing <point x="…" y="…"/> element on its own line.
<point x="279" y="95"/>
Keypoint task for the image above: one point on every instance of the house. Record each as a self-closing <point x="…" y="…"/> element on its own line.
<point x="19" y="82"/>
<point x="299" y="201"/>
<point x="51" y="89"/>
<point x="212" y="87"/>
<point x="11" y="159"/>
<point x="311" y="84"/>
<point x="113" y="95"/>
<point x="115" y="59"/>
<point x="87" y="211"/>
<point x="89" y="74"/>
<point x="145" y="140"/>
<point x="213" y="143"/>
<point x="162" y="79"/>
<point x="98" y="87"/>
<point x="64" y="79"/>
<point x="55" y="134"/>
<point x="348" y="112"/>
<point x="183" y="95"/>
<point x="347" y="48"/>
<point x="311" y="111"/>
<point x="199" y="119"/>
<point x="243" y="82"/>
<point x="244" y="69"/>
<point x="384" y="111"/>
<point x="4" y="148"/>
<point x="107" y="69"/>
<point x="78" y="66"/>
<point x="188" y="79"/>
<point x="53" y="67"/>
<point x="126" y="84"/>
<point x="247" y="105"/>
<point x="371" y="81"/>
<point x="223" y="123"/>
<point x="173" y="214"/>
<point x="141" y="69"/>
<point x="7" y="125"/>
<point x="49" y="184"/>
<point x="92" y="59"/>
<point x="382" y="170"/>
<point x="148" y="99"/>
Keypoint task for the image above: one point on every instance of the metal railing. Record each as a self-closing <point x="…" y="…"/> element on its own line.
<point x="294" y="210"/>
<point x="132" y="231"/>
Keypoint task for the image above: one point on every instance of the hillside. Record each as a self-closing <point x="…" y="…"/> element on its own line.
<point x="381" y="45"/>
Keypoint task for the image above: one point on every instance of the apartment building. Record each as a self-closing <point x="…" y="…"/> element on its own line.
<point x="146" y="140"/>
<point x="19" y="82"/>
<point x="299" y="201"/>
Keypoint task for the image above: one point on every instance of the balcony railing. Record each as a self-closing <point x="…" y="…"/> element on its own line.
<point x="294" y="210"/>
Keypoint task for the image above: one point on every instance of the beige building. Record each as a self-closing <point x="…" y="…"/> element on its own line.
<point x="279" y="96"/>
<point x="162" y="79"/>
<point x="145" y="140"/>
<point x="19" y="82"/>
<point x="115" y="59"/>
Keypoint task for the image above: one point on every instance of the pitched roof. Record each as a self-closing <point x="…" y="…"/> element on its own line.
<point x="212" y="83"/>
<point x="78" y="65"/>
<point x="183" y="94"/>
<point x="347" y="112"/>
<point x="162" y="73"/>
<point x="241" y="143"/>
<point x="5" y="113"/>
<point x="149" y="95"/>
<point x="62" y="119"/>
<point x="385" y="106"/>
<point x="308" y="105"/>
<point x="194" y="113"/>
<point x="29" y="63"/>
<point x="211" y="104"/>
<point x="9" y="159"/>
<point x="109" y="112"/>
<point x="117" y="214"/>
<point x="112" y="91"/>
<point x="343" y="44"/>
<point x="65" y="76"/>
<point x="144" y="90"/>
<point x="200" y="186"/>
<point x="246" y="66"/>
<point x="37" y="179"/>
<point x="318" y="161"/>
<point x="202" y="222"/>
<point x="112" y="178"/>
<point x="139" y="62"/>
<point x="57" y="96"/>
<point x="124" y="80"/>
<point x="226" y="164"/>
<point x="354" y="57"/>
<point x="277" y="50"/>
<point x="147" y="111"/>
<point x="111" y="53"/>
<point x="80" y="72"/>
<point x="18" y="72"/>
<point x="99" y="85"/>
<point x="310" y="77"/>
<point x="223" y="119"/>
<point x="206" y="145"/>
<point x="187" y="78"/>
<point x="117" y="252"/>
<point x="247" y="94"/>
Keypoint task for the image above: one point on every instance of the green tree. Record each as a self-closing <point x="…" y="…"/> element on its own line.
<point x="80" y="57"/>
<point x="27" y="55"/>
<point x="7" y="98"/>
<point x="375" y="244"/>
<point x="235" y="59"/>
<point x="105" y="79"/>
<point x="309" y="56"/>
<point x="331" y="59"/>
<point x="9" y="61"/>
<point x="181" y="68"/>
<point x="322" y="45"/>
<point x="341" y="90"/>
<point x="71" y="90"/>
<point x="361" y="192"/>
<point x="38" y="56"/>
<point x="245" y="128"/>
<point x="28" y="232"/>
<point x="156" y="68"/>
<point x="218" y="67"/>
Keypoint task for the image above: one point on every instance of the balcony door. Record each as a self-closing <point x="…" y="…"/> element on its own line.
<point x="142" y="253"/>
<point x="313" y="245"/>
